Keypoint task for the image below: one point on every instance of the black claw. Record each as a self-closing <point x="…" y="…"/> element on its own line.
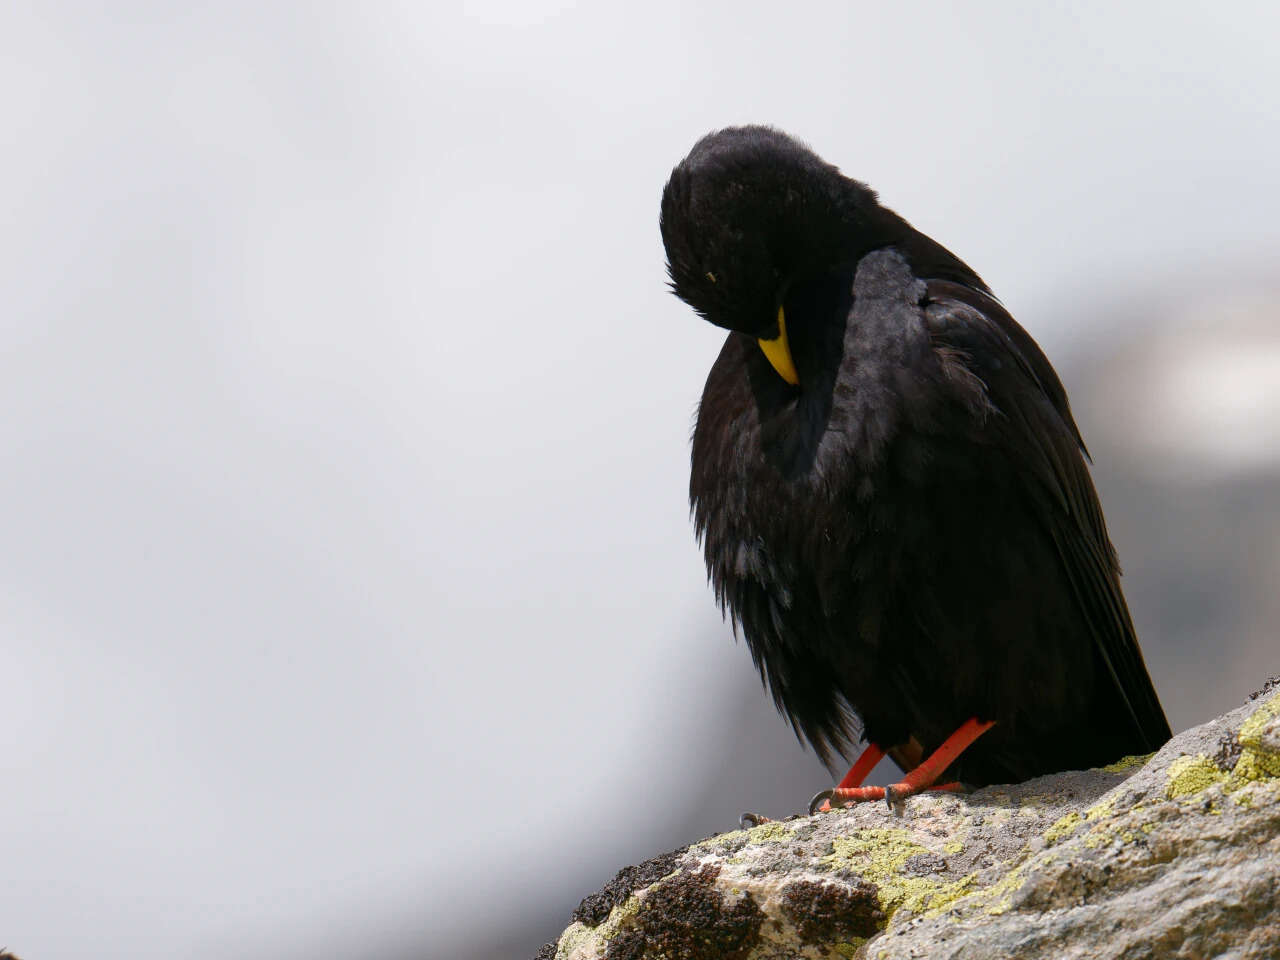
<point x="889" y="797"/>
<point x="819" y="799"/>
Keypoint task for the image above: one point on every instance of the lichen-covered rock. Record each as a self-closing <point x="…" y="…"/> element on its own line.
<point x="1175" y="855"/>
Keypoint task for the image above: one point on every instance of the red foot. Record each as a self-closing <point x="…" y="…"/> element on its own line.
<point x="849" y="796"/>
<point x="921" y="778"/>
<point x="872" y="754"/>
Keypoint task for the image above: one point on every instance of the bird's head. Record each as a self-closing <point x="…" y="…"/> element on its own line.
<point x="748" y="214"/>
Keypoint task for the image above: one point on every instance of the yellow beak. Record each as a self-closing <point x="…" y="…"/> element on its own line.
<point x="778" y="352"/>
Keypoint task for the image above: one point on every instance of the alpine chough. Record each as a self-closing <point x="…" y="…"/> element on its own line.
<point x="889" y="487"/>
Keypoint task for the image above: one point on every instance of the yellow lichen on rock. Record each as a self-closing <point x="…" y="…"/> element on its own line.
<point x="579" y="941"/>
<point x="1252" y="729"/>
<point x="998" y="898"/>
<point x="1191" y="774"/>
<point x="1127" y="763"/>
<point x="1259" y="759"/>
<point x="928" y="897"/>
<point x="771" y="832"/>
<point x="879" y="856"/>
<point x="619" y="916"/>
<point x="1063" y="828"/>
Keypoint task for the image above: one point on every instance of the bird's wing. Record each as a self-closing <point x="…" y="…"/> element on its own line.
<point x="1033" y="422"/>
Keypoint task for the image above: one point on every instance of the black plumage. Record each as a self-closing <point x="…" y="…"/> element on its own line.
<point x="908" y="537"/>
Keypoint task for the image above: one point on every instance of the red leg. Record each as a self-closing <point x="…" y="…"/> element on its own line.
<point x="923" y="776"/>
<point x="872" y="754"/>
<point x="862" y="767"/>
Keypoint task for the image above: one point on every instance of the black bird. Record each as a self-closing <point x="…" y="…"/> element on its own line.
<point x="889" y="487"/>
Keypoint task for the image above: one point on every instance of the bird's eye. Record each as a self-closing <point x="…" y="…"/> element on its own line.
<point x="711" y="276"/>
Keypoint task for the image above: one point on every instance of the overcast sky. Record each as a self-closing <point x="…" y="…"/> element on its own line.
<point x="345" y="532"/>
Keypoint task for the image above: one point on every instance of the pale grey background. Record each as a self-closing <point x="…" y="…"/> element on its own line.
<point x="347" y="594"/>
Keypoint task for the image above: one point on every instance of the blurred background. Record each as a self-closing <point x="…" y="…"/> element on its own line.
<point x="348" y="600"/>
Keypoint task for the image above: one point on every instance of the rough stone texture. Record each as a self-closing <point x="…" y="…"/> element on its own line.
<point x="1176" y="855"/>
<point x="595" y="909"/>
<point x="687" y="916"/>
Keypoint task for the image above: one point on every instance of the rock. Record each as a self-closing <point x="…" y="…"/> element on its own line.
<point x="1172" y="855"/>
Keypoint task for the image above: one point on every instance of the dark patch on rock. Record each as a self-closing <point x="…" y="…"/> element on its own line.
<point x="1271" y="684"/>
<point x="687" y="918"/>
<point x="831" y="913"/>
<point x="924" y="864"/>
<point x="594" y="910"/>
<point x="546" y="952"/>
<point x="1229" y="750"/>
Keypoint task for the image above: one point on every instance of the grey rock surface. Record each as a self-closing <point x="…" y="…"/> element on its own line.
<point x="1172" y="855"/>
